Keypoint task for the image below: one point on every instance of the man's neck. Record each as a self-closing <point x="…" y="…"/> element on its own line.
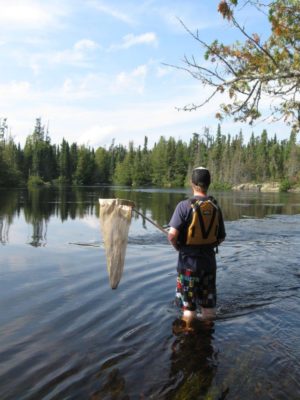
<point x="199" y="193"/>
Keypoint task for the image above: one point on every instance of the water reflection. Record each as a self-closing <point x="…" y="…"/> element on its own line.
<point x="65" y="334"/>
<point x="194" y="362"/>
<point x="4" y="230"/>
<point x="40" y="205"/>
<point x="8" y="208"/>
<point x="37" y="211"/>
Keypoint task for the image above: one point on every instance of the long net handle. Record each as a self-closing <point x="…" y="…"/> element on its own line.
<point x="151" y="222"/>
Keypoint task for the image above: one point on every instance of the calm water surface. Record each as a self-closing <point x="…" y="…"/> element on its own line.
<point x="66" y="335"/>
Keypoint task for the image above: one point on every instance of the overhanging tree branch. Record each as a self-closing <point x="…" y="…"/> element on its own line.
<point x="246" y="72"/>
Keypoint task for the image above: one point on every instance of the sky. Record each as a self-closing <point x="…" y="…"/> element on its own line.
<point x="95" y="70"/>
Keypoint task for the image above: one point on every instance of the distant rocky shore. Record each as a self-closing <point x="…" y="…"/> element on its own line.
<point x="262" y="187"/>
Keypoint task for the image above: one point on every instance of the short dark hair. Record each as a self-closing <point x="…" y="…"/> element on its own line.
<point x="201" y="177"/>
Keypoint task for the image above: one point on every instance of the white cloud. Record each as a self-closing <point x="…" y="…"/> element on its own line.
<point x="127" y="121"/>
<point x="192" y="23"/>
<point x="162" y="71"/>
<point x="131" y="40"/>
<point x="91" y="87"/>
<point x="80" y="55"/>
<point x="85" y="45"/>
<point x="106" y="113"/>
<point x="96" y="126"/>
<point x="71" y="57"/>
<point x="96" y="135"/>
<point x="133" y="81"/>
<point x="15" y="90"/>
<point x="87" y="87"/>
<point x="112" y="11"/>
<point x="102" y="87"/>
<point x="30" y="14"/>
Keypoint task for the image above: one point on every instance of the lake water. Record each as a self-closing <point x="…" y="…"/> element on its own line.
<point x="66" y="335"/>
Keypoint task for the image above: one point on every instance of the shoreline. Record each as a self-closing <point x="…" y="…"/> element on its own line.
<point x="270" y="187"/>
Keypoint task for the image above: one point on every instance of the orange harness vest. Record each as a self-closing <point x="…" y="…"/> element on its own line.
<point x="204" y="225"/>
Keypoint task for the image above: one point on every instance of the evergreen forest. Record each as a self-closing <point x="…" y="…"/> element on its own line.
<point x="168" y="163"/>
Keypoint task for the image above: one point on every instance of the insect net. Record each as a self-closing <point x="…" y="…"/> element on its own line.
<point x="115" y="218"/>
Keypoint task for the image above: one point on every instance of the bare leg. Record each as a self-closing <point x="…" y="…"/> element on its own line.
<point x="188" y="316"/>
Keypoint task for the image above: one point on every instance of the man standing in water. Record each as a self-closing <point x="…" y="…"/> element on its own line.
<point x="196" y="229"/>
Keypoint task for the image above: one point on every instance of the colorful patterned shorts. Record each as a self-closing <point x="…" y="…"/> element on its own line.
<point x="195" y="290"/>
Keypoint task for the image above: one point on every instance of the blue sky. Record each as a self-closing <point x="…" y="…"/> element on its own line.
<point x="93" y="70"/>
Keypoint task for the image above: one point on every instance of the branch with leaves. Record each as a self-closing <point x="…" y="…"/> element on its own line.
<point x="250" y="71"/>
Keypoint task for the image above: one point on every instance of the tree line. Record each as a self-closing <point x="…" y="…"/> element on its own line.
<point x="168" y="163"/>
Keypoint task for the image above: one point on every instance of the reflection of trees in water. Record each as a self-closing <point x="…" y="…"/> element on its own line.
<point x="236" y="205"/>
<point x="65" y="203"/>
<point x="37" y="211"/>
<point x="4" y="229"/>
<point x="9" y="207"/>
<point x="41" y="204"/>
<point x="160" y="204"/>
<point x="39" y="233"/>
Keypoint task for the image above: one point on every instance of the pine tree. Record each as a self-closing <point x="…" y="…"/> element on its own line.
<point x="102" y="165"/>
<point x="262" y="162"/>
<point x="238" y="160"/>
<point x="65" y="172"/>
<point x="124" y="168"/>
<point x="216" y="156"/>
<point x="293" y="162"/>
<point x="168" y="163"/>
<point x="180" y="164"/>
<point x="275" y="160"/>
<point x="251" y="159"/>
<point x="85" y="166"/>
<point x="159" y="162"/>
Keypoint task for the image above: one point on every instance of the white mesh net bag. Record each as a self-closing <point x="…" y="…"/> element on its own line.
<point x="115" y="218"/>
